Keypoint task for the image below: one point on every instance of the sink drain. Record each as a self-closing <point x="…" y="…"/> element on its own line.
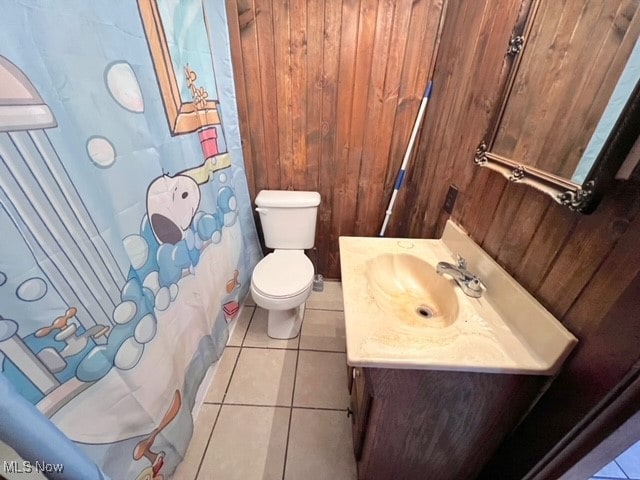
<point x="424" y="311"/>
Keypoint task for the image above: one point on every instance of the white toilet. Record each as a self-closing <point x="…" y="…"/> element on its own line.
<point x="282" y="281"/>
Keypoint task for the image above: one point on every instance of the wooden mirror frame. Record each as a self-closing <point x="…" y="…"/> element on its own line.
<point x="183" y="117"/>
<point x="583" y="197"/>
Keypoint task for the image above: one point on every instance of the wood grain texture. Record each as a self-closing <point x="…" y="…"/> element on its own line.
<point x="576" y="266"/>
<point x="327" y="97"/>
<point x="281" y="97"/>
<point x="314" y="77"/>
<point x="607" y="351"/>
<point x="360" y="404"/>
<point x="330" y="70"/>
<point x="265" y="29"/>
<point x="557" y="254"/>
<point x="535" y="128"/>
<point x="467" y="78"/>
<point x="444" y="425"/>
<point x="372" y="166"/>
<point x="241" y="92"/>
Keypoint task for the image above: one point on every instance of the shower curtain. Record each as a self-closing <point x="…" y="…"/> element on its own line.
<point x="126" y="235"/>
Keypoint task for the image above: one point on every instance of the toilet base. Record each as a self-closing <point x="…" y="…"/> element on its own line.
<point x="285" y="324"/>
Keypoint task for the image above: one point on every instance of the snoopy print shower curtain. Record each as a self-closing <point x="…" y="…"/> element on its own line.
<point x="126" y="235"/>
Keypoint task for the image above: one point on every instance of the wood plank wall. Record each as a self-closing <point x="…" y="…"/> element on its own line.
<point x="551" y="115"/>
<point x="577" y="266"/>
<point x="359" y="67"/>
<point x="327" y="94"/>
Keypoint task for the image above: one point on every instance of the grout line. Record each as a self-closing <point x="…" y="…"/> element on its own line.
<point x="245" y="332"/>
<point x="326" y="309"/>
<point x="233" y="370"/>
<point x="293" y="393"/>
<point x="325" y="409"/>
<point x="290" y="348"/>
<point x="215" y="422"/>
<point x="321" y="351"/>
<point x="204" y="452"/>
<point x="248" y="326"/>
<point x="331" y="409"/>
<point x="235" y="364"/>
<point x="290" y="407"/>
<point x="269" y="348"/>
<point x="246" y="405"/>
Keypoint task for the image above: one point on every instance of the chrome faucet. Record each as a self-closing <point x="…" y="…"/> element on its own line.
<point x="470" y="284"/>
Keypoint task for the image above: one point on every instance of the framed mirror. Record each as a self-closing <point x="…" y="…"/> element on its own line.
<point x="570" y="115"/>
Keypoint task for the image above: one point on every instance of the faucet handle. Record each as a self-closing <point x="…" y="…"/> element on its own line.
<point x="462" y="263"/>
<point x="477" y="285"/>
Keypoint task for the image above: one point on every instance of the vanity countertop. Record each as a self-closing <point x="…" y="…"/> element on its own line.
<point x="505" y="331"/>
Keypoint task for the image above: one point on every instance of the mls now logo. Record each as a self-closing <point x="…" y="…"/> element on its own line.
<point x="28" y="467"/>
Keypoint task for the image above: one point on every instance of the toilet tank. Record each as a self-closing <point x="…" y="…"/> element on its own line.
<point x="288" y="218"/>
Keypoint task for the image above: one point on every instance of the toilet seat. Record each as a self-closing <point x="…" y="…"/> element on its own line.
<point x="283" y="274"/>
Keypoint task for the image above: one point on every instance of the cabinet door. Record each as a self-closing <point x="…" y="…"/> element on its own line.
<point x="359" y="409"/>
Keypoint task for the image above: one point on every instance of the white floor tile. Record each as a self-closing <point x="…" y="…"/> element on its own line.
<point x="202" y="429"/>
<point x="222" y="376"/>
<point x="258" y="374"/>
<point x="329" y="299"/>
<point x="263" y="377"/>
<point x="248" y="443"/>
<point x="320" y="446"/>
<point x="323" y="330"/>
<point x="241" y="326"/>
<point x="321" y="380"/>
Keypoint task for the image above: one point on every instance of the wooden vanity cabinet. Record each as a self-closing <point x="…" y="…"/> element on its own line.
<point x="421" y="424"/>
<point x="359" y="407"/>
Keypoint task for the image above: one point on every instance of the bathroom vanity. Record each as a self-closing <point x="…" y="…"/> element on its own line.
<point x="415" y="424"/>
<point x="438" y="378"/>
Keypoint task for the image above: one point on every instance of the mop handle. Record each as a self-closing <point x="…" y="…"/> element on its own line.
<point x="407" y="156"/>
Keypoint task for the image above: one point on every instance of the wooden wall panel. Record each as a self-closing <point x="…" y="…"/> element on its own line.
<point x="313" y="104"/>
<point x="339" y="121"/>
<point x="461" y="108"/>
<point x="383" y="100"/>
<point x="330" y="70"/>
<point x="575" y="265"/>
<point x="235" y="25"/>
<point x="609" y="347"/>
<point x="280" y="96"/>
<point x="551" y="116"/>
<point x="555" y="253"/>
<point x="327" y="94"/>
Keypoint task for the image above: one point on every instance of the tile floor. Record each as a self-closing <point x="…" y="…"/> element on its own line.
<point x="626" y="466"/>
<point x="277" y="408"/>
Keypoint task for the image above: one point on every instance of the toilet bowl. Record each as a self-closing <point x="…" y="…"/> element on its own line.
<point x="282" y="281"/>
<point x="281" y="284"/>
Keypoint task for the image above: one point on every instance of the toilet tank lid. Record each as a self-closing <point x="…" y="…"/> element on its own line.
<point x="287" y="199"/>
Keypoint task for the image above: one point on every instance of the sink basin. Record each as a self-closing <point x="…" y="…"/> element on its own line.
<point x="399" y="313"/>
<point x="410" y="291"/>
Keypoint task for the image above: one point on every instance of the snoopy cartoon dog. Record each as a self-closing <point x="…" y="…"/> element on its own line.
<point x="172" y="201"/>
<point x="171" y="204"/>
